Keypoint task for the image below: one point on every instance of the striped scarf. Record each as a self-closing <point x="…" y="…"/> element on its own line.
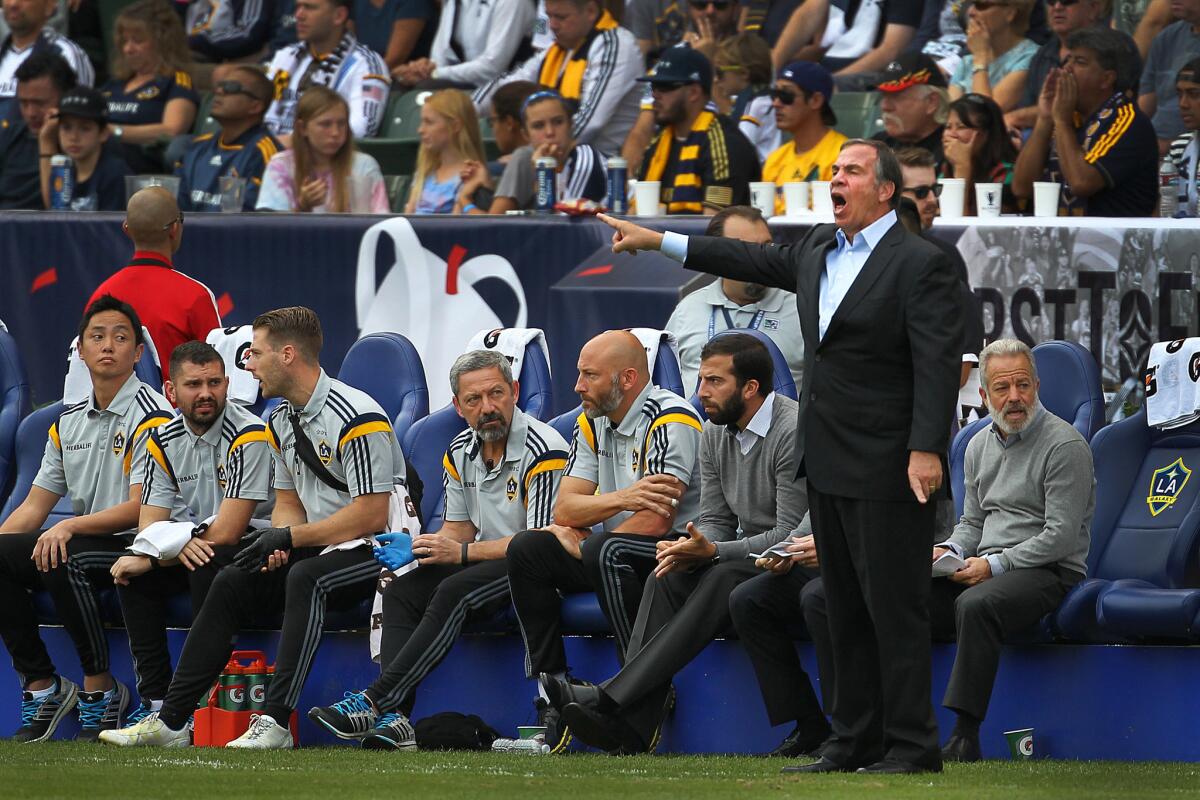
<point x="563" y="70"/>
<point x="686" y="192"/>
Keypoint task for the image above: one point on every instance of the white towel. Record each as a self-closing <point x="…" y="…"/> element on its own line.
<point x="651" y="338"/>
<point x="512" y="343"/>
<point x="164" y="540"/>
<point x="78" y="384"/>
<point x="233" y="344"/>
<point x="402" y="518"/>
<point x="1173" y="383"/>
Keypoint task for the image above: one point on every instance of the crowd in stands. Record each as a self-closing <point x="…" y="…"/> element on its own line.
<point x="704" y="97"/>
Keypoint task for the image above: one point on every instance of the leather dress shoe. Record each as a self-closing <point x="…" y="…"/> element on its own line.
<point x="822" y="764"/>
<point x="962" y="748"/>
<point x="800" y="743"/>
<point x="602" y="729"/>
<point x="890" y="766"/>
<point x="560" y="692"/>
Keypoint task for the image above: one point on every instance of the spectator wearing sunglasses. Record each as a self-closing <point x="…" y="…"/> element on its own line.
<point x="1064" y="18"/>
<point x="1174" y="46"/>
<point x="702" y="159"/>
<point x="743" y="90"/>
<point x="998" y="62"/>
<point x="1090" y="136"/>
<point x="801" y="99"/>
<point x="914" y="103"/>
<point x="978" y="149"/>
<point x="1185" y="150"/>
<point x="241" y="148"/>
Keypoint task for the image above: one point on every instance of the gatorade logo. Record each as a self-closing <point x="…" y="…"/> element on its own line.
<point x="237" y="694"/>
<point x="492" y="338"/>
<point x="1025" y="746"/>
<point x="258" y="694"/>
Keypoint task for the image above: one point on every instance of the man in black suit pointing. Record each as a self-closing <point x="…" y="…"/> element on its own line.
<point x="881" y="316"/>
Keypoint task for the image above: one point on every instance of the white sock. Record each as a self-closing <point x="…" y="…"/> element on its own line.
<point x="156" y="705"/>
<point x="560" y="675"/>
<point x="41" y="694"/>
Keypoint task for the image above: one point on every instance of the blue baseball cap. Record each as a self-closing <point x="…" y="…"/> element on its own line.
<point x="681" y="64"/>
<point x="811" y="77"/>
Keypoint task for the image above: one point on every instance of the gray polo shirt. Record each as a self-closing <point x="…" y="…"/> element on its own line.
<point x="1029" y="498"/>
<point x="659" y="436"/>
<point x="232" y="459"/>
<point x="352" y="437"/>
<point x="90" y="451"/>
<point x="702" y="314"/>
<point x="515" y="495"/>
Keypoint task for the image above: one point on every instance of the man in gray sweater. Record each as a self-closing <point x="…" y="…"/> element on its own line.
<point x="749" y="501"/>
<point x="1024" y="534"/>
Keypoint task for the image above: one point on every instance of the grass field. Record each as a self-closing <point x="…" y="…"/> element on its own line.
<point x="63" y="769"/>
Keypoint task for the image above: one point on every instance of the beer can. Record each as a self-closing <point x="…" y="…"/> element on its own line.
<point x="62" y="182"/>
<point x="618" y="185"/>
<point x="546" y="182"/>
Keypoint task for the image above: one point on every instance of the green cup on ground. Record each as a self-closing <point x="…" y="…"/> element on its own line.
<point x="531" y="731"/>
<point x="1020" y="743"/>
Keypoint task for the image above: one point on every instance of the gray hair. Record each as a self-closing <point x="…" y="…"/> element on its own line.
<point x="942" y="112"/>
<point x="887" y="168"/>
<point x="479" y="359"/>
<point x="1113" y="53"/>
<point x="1005" y="347"/>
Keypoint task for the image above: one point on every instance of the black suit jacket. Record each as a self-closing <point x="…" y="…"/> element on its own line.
<point x="884" y="380"/>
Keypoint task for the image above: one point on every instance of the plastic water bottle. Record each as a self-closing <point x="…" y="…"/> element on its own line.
<point x="1168" y="188"/>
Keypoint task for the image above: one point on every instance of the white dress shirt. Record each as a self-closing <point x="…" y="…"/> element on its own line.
<point x="758" y="427"/>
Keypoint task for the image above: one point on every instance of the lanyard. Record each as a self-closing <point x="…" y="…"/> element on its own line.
<point x="729" y="324"/>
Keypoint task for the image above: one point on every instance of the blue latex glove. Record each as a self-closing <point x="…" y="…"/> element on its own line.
<point x="396" y="550"/>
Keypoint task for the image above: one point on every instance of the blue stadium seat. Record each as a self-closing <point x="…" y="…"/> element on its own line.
<point x="785" y="384"/>
<point x="31" y="444"/>
<point x="388" y="368"/>
<point x="1143" y="564"/>
<point x="14" y="406"/>
<point x="666" y="374"/>
<point x="565" y="423"/>
<point x="426" y="440"/>
<point x="148" y="372"/>
<point x="1070" y="389"/>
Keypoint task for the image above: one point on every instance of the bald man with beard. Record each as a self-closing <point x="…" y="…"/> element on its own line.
<point x="633" y="470"/>
<point x="172" y="306"/>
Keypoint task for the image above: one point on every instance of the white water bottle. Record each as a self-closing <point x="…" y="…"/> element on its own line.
<point x="1168" y="188"/>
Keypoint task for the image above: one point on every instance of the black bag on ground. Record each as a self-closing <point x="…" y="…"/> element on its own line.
<point x="451" y="730"/>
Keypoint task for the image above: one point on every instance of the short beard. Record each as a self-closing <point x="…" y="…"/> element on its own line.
<point x="729" y="413"/>
<point x="1008" y="429"/>
<point x="491" y="434"/>
<point x="609" y="403"/>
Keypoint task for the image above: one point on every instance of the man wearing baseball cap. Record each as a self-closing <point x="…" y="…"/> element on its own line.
<point x="800" y="98"/>
<point x="913" y="98"/>
<point x="79" y="131"/>
<point x="702" y="159"/>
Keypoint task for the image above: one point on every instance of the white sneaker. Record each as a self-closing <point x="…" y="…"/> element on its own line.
<point x="149" y="732"/>
<point x="263" y="734"/>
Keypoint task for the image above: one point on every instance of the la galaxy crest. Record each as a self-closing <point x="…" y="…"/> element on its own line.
<point x="510" y="488"/>
<point x="324" y="452"/>
<point x="635" y="458"/>
<point x="118" y="442"/>
<point x="1166" y="484"/>
<point x="221" y="475"/>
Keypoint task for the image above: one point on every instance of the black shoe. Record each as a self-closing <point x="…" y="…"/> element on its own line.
<point x="558" y="733"/>
<point x="40" y="718"/>
<point x="571" y="690"/>
<point x="962" y="748"/>
<point x="802" y="741"/>
<point x="822" y="764"/>
<point x="602" y="730"/>
<point x="890" y="766"/>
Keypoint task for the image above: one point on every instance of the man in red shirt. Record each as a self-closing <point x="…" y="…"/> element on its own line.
<point x="173" y="307"/>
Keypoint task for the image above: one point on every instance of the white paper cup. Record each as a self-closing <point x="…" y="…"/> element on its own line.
<point x="987" y="199"/>
<point x="795" y="198"/>
<point x="762" y="197"/>
<point x="1045" y="198"/>
<point x="822" y="203"/>
<point x="646" y="195"/>
<point x="954" y="191"/>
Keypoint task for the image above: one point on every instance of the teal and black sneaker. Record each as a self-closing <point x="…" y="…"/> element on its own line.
<point x="99" y="713"/>
<point x="351" y="718"/>
<point x="40" y="717"/>
<point x="392" y="732"/>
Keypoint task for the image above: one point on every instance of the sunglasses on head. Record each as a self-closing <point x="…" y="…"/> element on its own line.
<point x="921" y="192"/>
<point x="236" y="87"/>
<point x="719" y="5"/>
<point x="784" y="96"/>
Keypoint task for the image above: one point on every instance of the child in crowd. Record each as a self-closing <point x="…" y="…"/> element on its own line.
<point x="323" y="171"/>
<point x="581" y="170"/>
<point x="451" y="144"/>
<point x="743" y="90"/>
<point x="79" y="131"/>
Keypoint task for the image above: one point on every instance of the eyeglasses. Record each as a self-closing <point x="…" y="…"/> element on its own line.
<point x="784" y="96"/>
<point x="719" y="5"/>
<point x="235" y="87"/>
<point x="1063" y="3"/>
<point x="921" y="192"/>
<point x="178" y="220"/>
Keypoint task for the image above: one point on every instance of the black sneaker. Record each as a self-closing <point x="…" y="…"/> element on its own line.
<point x="558" y="735"/>
<point x="98" y="713"/>
<point x="40" y="718"/>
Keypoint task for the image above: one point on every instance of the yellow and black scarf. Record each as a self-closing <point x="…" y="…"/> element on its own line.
<point x="687" y="190"/>
<point x="563" y="70"/>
